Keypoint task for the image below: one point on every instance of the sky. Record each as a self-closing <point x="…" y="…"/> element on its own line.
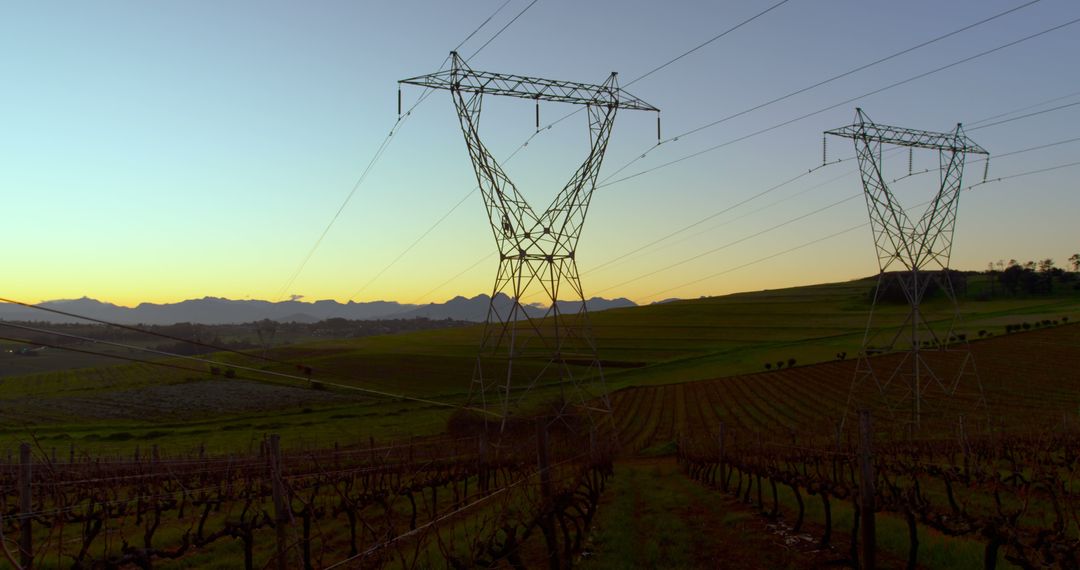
<point x="156" y="152"/>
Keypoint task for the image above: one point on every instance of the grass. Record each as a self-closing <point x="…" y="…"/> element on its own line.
<point x="935" y="549"/>
<point x="653" y="517"/>
<point x="651" y="345"/>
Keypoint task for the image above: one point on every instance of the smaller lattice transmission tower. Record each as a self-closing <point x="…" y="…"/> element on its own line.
<point x="925" y="354"/>
<point x="548" y="348"/>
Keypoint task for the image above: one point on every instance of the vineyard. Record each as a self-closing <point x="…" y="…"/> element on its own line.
<point x="772" y="441"/>
<point x="1016" y="495"/>
<point x="1028" y="380"/>
<point x="463" y="502"/>
<point x="1001" y="478"/>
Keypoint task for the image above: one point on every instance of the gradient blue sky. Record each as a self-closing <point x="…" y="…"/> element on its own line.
<point x="171" y="150"/>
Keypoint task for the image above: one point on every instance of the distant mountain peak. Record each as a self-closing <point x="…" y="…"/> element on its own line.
<point x="219" y="310"/>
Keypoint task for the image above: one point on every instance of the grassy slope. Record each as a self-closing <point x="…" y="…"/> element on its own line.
<point x="669" y="343"/>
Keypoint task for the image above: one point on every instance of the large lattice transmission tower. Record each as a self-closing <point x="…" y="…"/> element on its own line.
<point x="924" y="353"/>
<point x="525" y="349"/>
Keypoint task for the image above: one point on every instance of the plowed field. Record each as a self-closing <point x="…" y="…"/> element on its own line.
<point x="1029" y="381"/>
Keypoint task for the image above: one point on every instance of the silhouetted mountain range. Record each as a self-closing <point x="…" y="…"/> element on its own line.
<point x="216" y="311"/>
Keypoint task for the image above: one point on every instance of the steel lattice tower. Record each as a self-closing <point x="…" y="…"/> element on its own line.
<point x="917" y="252"/>
<point x="522" y="350"/>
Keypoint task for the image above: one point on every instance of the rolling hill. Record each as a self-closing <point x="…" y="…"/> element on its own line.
<point x="654" y="345"/>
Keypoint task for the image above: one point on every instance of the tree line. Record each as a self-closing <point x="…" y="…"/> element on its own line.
<point x="1032" y="277"/>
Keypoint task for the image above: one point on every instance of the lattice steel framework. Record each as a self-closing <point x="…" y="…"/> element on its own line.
<point x="524" y="347"/>
<point x="917" y="253"/>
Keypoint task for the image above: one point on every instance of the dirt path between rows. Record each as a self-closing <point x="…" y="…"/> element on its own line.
<point x="652" y="516"/>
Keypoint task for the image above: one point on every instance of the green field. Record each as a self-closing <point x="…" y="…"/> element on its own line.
<point x="117" y="408"/>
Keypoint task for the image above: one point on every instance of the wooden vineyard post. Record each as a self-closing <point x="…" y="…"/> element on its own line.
<point x="26" y="536"/>
<point x="720" y="442"/>
<point x="965" y="449"/>
<point x="548" y="524"/>
<point x="544" y="461"/>
<point x="483" y="476"/>
<point x="866" y="492"/>
<point x="281" y="515"/>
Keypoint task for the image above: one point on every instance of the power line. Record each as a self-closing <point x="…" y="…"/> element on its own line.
<point x="1025" y="108"/>
<point x="482" y="24"/>
<point x="143" y="331"/>
<point x="1029" y="149"/>
<point x="147" y="332"/>
<point x="766" y="206"/>
<point x="707" y="218"/>
<point x="729" y="208"/>
<point x="548" y="127"/>
<point x="412" y="245"/>
<point x="438" y="222"/>
<point x="455" y="277"/>
<point x="106" y="354"/>
<point x="736" y="242"/>
<point x="761" y="259"/>
<point x="1028" y="173"/>
<point x="1003" y="121"/>
<point x="523" y="480"/>
<point x="819" y="84"/>
<point x="239" y="367"/>
<point x="881" y="60"/>
<point x="386" y="143"/>
<point x="685" y="228"/>
<point x="848" y="230"/>
<point x="845" y="102"/>
<point x="767" y="191"/>
<point x="876" y="62"/>
<point x="830" y="236"/>
<point x="985" y="20"/>
<point x="713" y="39"/>
<point x="348" y="198"/>
<point x="501" y="30"/>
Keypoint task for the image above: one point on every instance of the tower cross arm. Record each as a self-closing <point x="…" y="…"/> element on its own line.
<point x="955" y="141"/>
<point x="489" y="83"/>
